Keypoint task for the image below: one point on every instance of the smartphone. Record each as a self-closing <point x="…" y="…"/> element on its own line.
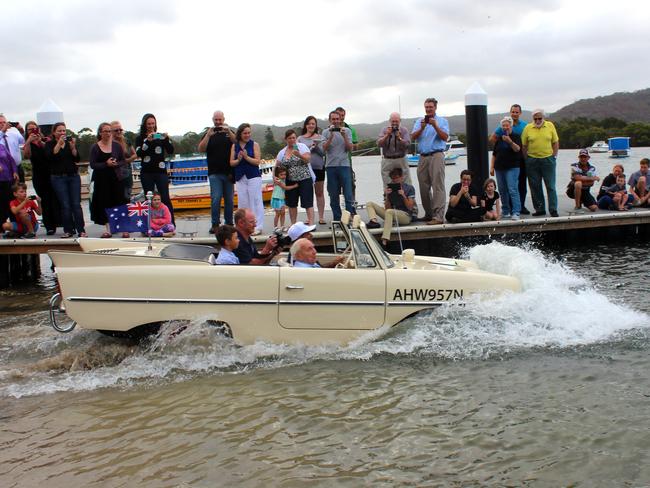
<point x="394" y="186"/>
<point x="426" y="119"/>
<point x="157" y="135"/>
<point x="295" y="147"/>
<point x="32" y="197"/>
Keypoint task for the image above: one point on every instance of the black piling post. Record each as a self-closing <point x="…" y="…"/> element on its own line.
<point x="477" y="133"/>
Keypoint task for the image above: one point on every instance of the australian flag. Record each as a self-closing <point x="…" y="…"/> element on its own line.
<point x="132" y="217"/>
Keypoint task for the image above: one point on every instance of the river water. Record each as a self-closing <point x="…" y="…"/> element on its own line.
<point x="549" y="387"/>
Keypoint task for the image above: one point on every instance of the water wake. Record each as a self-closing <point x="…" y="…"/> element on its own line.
<point x="556" y="309"/>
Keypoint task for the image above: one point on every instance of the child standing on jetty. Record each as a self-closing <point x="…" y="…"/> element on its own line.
<point x="160" y="219"/>
<point x="25" y="210"/>
<point x="491" y="201"/>
<point x="277" y="198"/>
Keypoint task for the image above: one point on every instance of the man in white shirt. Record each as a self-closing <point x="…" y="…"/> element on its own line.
<point x="11" y="135"/>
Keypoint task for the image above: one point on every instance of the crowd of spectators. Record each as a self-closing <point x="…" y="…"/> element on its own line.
<point x="524" y="157"/>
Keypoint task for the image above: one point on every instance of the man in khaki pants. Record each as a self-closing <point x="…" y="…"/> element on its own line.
<point x="399" y="204"/>
<point x="431" y="133"/>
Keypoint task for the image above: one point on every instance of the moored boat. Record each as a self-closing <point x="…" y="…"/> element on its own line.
<point x="619" y="147"/>
<point x="598" y="147"/>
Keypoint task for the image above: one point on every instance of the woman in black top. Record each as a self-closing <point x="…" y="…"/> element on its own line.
<point x="106" y="159"/>
<point x="63" y="157"/>
<point x="463" y="201"/>
<point x="151" y="147"/>
<point x="34" y="150"/>
<point x="506" y="160"/>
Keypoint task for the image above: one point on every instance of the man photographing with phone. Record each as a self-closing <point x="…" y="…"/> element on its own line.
<point x="216" y="143"/>
<point x="337" y="144"/>
<point x="431" y="133"/>
<point x="399" y="204"/>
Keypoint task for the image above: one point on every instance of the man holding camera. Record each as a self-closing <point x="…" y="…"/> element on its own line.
<point x="394" y="141"/>
<point x="431" y="133"/>
<point x="399" y="204"/>
<point x="216" y="144"/>
<point x="337" y="145"/>
<point x="247" y="252"/>
<point x="11" y="135"/>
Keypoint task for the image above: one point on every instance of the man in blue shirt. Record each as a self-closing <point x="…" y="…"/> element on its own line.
<point x="431" y="133"/>
<point x="304" y="254"/>
<point x="517" y="128"/>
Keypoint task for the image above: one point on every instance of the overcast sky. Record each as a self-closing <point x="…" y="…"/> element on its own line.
<point x="274" y="62"/>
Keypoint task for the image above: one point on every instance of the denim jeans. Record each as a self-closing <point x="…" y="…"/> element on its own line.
<point x="538" y="170"/>
<point x="158" y="182"/>
<point x="340" y="178"/>
<point x="221" y="187"/>
<point x="508" y="182"/>
<point x="68" y="191"/>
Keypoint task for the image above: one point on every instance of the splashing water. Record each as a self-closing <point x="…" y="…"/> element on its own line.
<point x="556" y="309"/>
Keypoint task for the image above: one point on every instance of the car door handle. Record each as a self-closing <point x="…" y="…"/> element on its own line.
<point x="294" y="287"/>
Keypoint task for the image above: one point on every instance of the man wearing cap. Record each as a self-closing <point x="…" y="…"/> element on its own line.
<point x="431" y="133"/>
<point x="540" y="145"/>
<point x="247" y="252"/>
<point x="583" y="177"/>
<point x="394" y="141"/>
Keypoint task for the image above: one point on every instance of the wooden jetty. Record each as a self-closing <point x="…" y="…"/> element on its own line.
<point x="19" y="258"/>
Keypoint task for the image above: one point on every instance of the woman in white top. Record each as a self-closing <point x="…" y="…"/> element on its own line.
<point x="295" y="159"/>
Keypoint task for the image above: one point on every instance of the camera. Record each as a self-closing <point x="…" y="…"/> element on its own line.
<point x="336" y="129"/>
<point x="282" y="239"/>
<point x="32" y="197"/>
<point x="426" y="119"/>
<point x="13" y="124"/>
<point x="395" y="128"/>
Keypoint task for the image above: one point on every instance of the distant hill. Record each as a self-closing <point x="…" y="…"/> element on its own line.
<point x="627" y="106"/>
<point x="371" y="131"/>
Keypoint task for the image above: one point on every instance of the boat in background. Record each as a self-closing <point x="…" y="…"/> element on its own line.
<point x="453" y="150"/>
<point x="598" y="147"/>
<point x="619" y="147"/>
<point x="189" y="188"/>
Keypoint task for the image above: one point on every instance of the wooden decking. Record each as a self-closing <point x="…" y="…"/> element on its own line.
<point x="322" y="236"/>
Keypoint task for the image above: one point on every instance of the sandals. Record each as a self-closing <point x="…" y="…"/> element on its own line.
<point x="322" y="222"/>
<point x="67" y="235"/>
<point x="106" y="235"/>
<point x="125" y="235"/>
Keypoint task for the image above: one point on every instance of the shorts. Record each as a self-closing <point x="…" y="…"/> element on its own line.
<point x="586" y="198"/>
<point x="19" y="228"/>
<point x="277" y="203"/>
<point x="305" y="191"/>
<point x="320" y="174"/>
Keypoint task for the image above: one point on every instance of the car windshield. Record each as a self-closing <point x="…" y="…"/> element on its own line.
<point x="379" y="251"/>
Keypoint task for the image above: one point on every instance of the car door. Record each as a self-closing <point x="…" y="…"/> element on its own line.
<point x="321" y="298"/>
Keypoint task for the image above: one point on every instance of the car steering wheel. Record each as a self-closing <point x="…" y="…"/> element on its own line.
<point x="348" y="258"/>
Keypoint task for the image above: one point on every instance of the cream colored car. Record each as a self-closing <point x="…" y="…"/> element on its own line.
<point x="133" y="288"/>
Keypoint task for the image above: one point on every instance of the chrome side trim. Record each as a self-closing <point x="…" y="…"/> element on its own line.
<point x="190" y="301"/>
<point x="169" y="300"/>
<point x="330" y="302"/>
